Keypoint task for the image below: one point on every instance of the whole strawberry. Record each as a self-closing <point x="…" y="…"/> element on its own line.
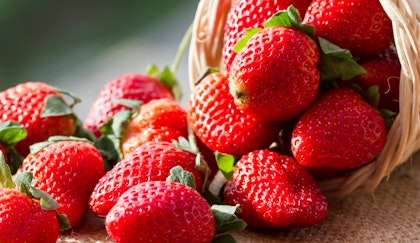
<point x="68" y="170"/>
<point x="131" y="86"/>
<point x="274" y="191"/>
<point x="161" y="211"/>
<point x="340" y="130"/>
<point x="151" y="161"/>
<point x="26" y="104"/>
<point x="220" y="125"/>
<point x="246" y="14"/>
<point x="361" y="26"/>
<point x="275" y="75"/>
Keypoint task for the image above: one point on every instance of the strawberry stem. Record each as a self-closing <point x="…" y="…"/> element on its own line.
<point x="181" y="49"/>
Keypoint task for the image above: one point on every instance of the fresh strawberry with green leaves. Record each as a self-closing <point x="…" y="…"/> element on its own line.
<point x="340" y="130"/>
<point x="274" y="191"/>
<point x="151" y="161"/>
<point x="274" y="75"/>
<point x="41" y="109"/>
<point x="247" y="14"/>
<point x="131" y="86"/>
<point x="68" y="169"/>
<point x="220" y="125"/>
<point x="361" y="26"/>
<point x="170" y="211"/>
<point x="26" y="213"/>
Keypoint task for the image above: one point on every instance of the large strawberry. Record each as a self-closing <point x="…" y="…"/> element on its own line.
<point x="40" y="108"/>
<point x="130" y="86"/>
<point x="220" y="125"/>
<point x="246" y="14"/>
<point x="275" y="75"/>
<point x="340" y="130"/>
<point x="274" y="191"/>
<point x="67" y="169"/>
<point x="151" y="161"/>
<point x="361" y="26"/>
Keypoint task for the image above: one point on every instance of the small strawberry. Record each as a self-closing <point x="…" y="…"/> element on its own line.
<point x="67" y="169"/>
<point x="161" y="211"/>
<point x="340" y="130"/>
<point x="130" y="86"/>
<point x="361" y="26"/>
<point x="274" y="191"/>
<point x="40" y="108"/>
<point x="246" y="14"/>
<point x="220" y="125"/>
<point x="275" y="75"/>
<point x="151" y="161"/>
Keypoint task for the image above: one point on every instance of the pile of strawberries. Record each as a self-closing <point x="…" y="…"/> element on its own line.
<point x="308" y="91"/>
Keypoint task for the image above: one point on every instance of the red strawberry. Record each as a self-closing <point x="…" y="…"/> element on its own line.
<point x="161" y="211"/>
<point x="246" y="14"/>
<point x="158" y="120"/>
<point x="340" y="130"/>
<point x="275" y="75"/>
<point x="25" y="103"/>
<point x="220" y="125"/>
<point x="151" y="161"/>
<point x="274" y="191"/>
<point x="361" y="26"/>
<point x="68" y="170"/>
<point x="127" y="86"/>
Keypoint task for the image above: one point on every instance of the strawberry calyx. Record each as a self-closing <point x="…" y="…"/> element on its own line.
<point x="167" y="78"/>
<point x="36" y="147"/>
<point x="226" y="163"/>
<point x="11" y="133"/>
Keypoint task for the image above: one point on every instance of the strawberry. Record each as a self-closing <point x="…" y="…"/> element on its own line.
<point x="40" y="109"/>
<point x="274" y="191"/>
<point x="361" y="26"/>
<point x="246" y="14"/>
<point x="151" y="161"/>
<point x="220" y="125"/>
<point x="340" y="130"/>
<point x="158" y="120"/>
<point x="161" y="211"/>
<point x="67" y="169"/>
<point x="275" y="75"/>
<point x="131" y="86"/>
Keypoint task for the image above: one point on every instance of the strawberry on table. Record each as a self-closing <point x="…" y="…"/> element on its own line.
<point x="361" y="26"/>
<point x="67" y="169"/>
<point x="220" y="125"/>
<point x="340" y="130"/>
<point x="274" y="191"/>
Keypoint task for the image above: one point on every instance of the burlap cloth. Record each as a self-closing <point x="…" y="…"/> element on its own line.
<point x="390" y="214"/>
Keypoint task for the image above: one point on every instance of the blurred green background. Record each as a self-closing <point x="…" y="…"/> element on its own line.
<point x="81" y="45"/>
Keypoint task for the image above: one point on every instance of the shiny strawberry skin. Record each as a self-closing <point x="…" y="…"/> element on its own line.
<point x="161" y="211"/>
<point x="23" y="220"/>
<point x="275" y="76"/>
<point x="23" y="103"/>
<point x="68" y="171"/>
<point x="126" y="86"/>
<point x="275" y="191"/>
<point x="340" y="130"/>
<point x="220" y="125"/>
<point x="151" y="161"/>
<point x="158" y="120"/>
<point x="361" y="26"/>
<point x="245" y="14"/>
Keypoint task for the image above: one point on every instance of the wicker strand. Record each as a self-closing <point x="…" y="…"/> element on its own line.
<point x="404" y="136"/>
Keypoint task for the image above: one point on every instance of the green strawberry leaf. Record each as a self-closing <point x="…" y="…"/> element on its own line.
<point x="249" y="33"/>
<point x="36" y="147"/>
<point x="290" y="18"/>
<point x="210" y="197"/>
<point x="6" y="180"/>
<point x="74" y="98"/>
<point x="337" y="63"/>
<point x="167" y="78"/>
<point x="109" y="147"/>
<point x="178" y="174"/>
<point x="116" y="124"/>
<point x="134" y="105"/>
<point x="389" y="117"/>
<point x="184" y="144"/>
<point x="63" y="222"/>
<point x="225" y="218"/>
<point x="55" y="106"/>
<point x="11" y="132"/>
<point x="226" y="163"/>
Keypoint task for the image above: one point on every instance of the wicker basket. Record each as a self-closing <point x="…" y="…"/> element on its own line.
<point x="403" y="137"/>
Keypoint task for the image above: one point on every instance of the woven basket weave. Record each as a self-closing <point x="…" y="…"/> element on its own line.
<point x="404" y="135"/>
